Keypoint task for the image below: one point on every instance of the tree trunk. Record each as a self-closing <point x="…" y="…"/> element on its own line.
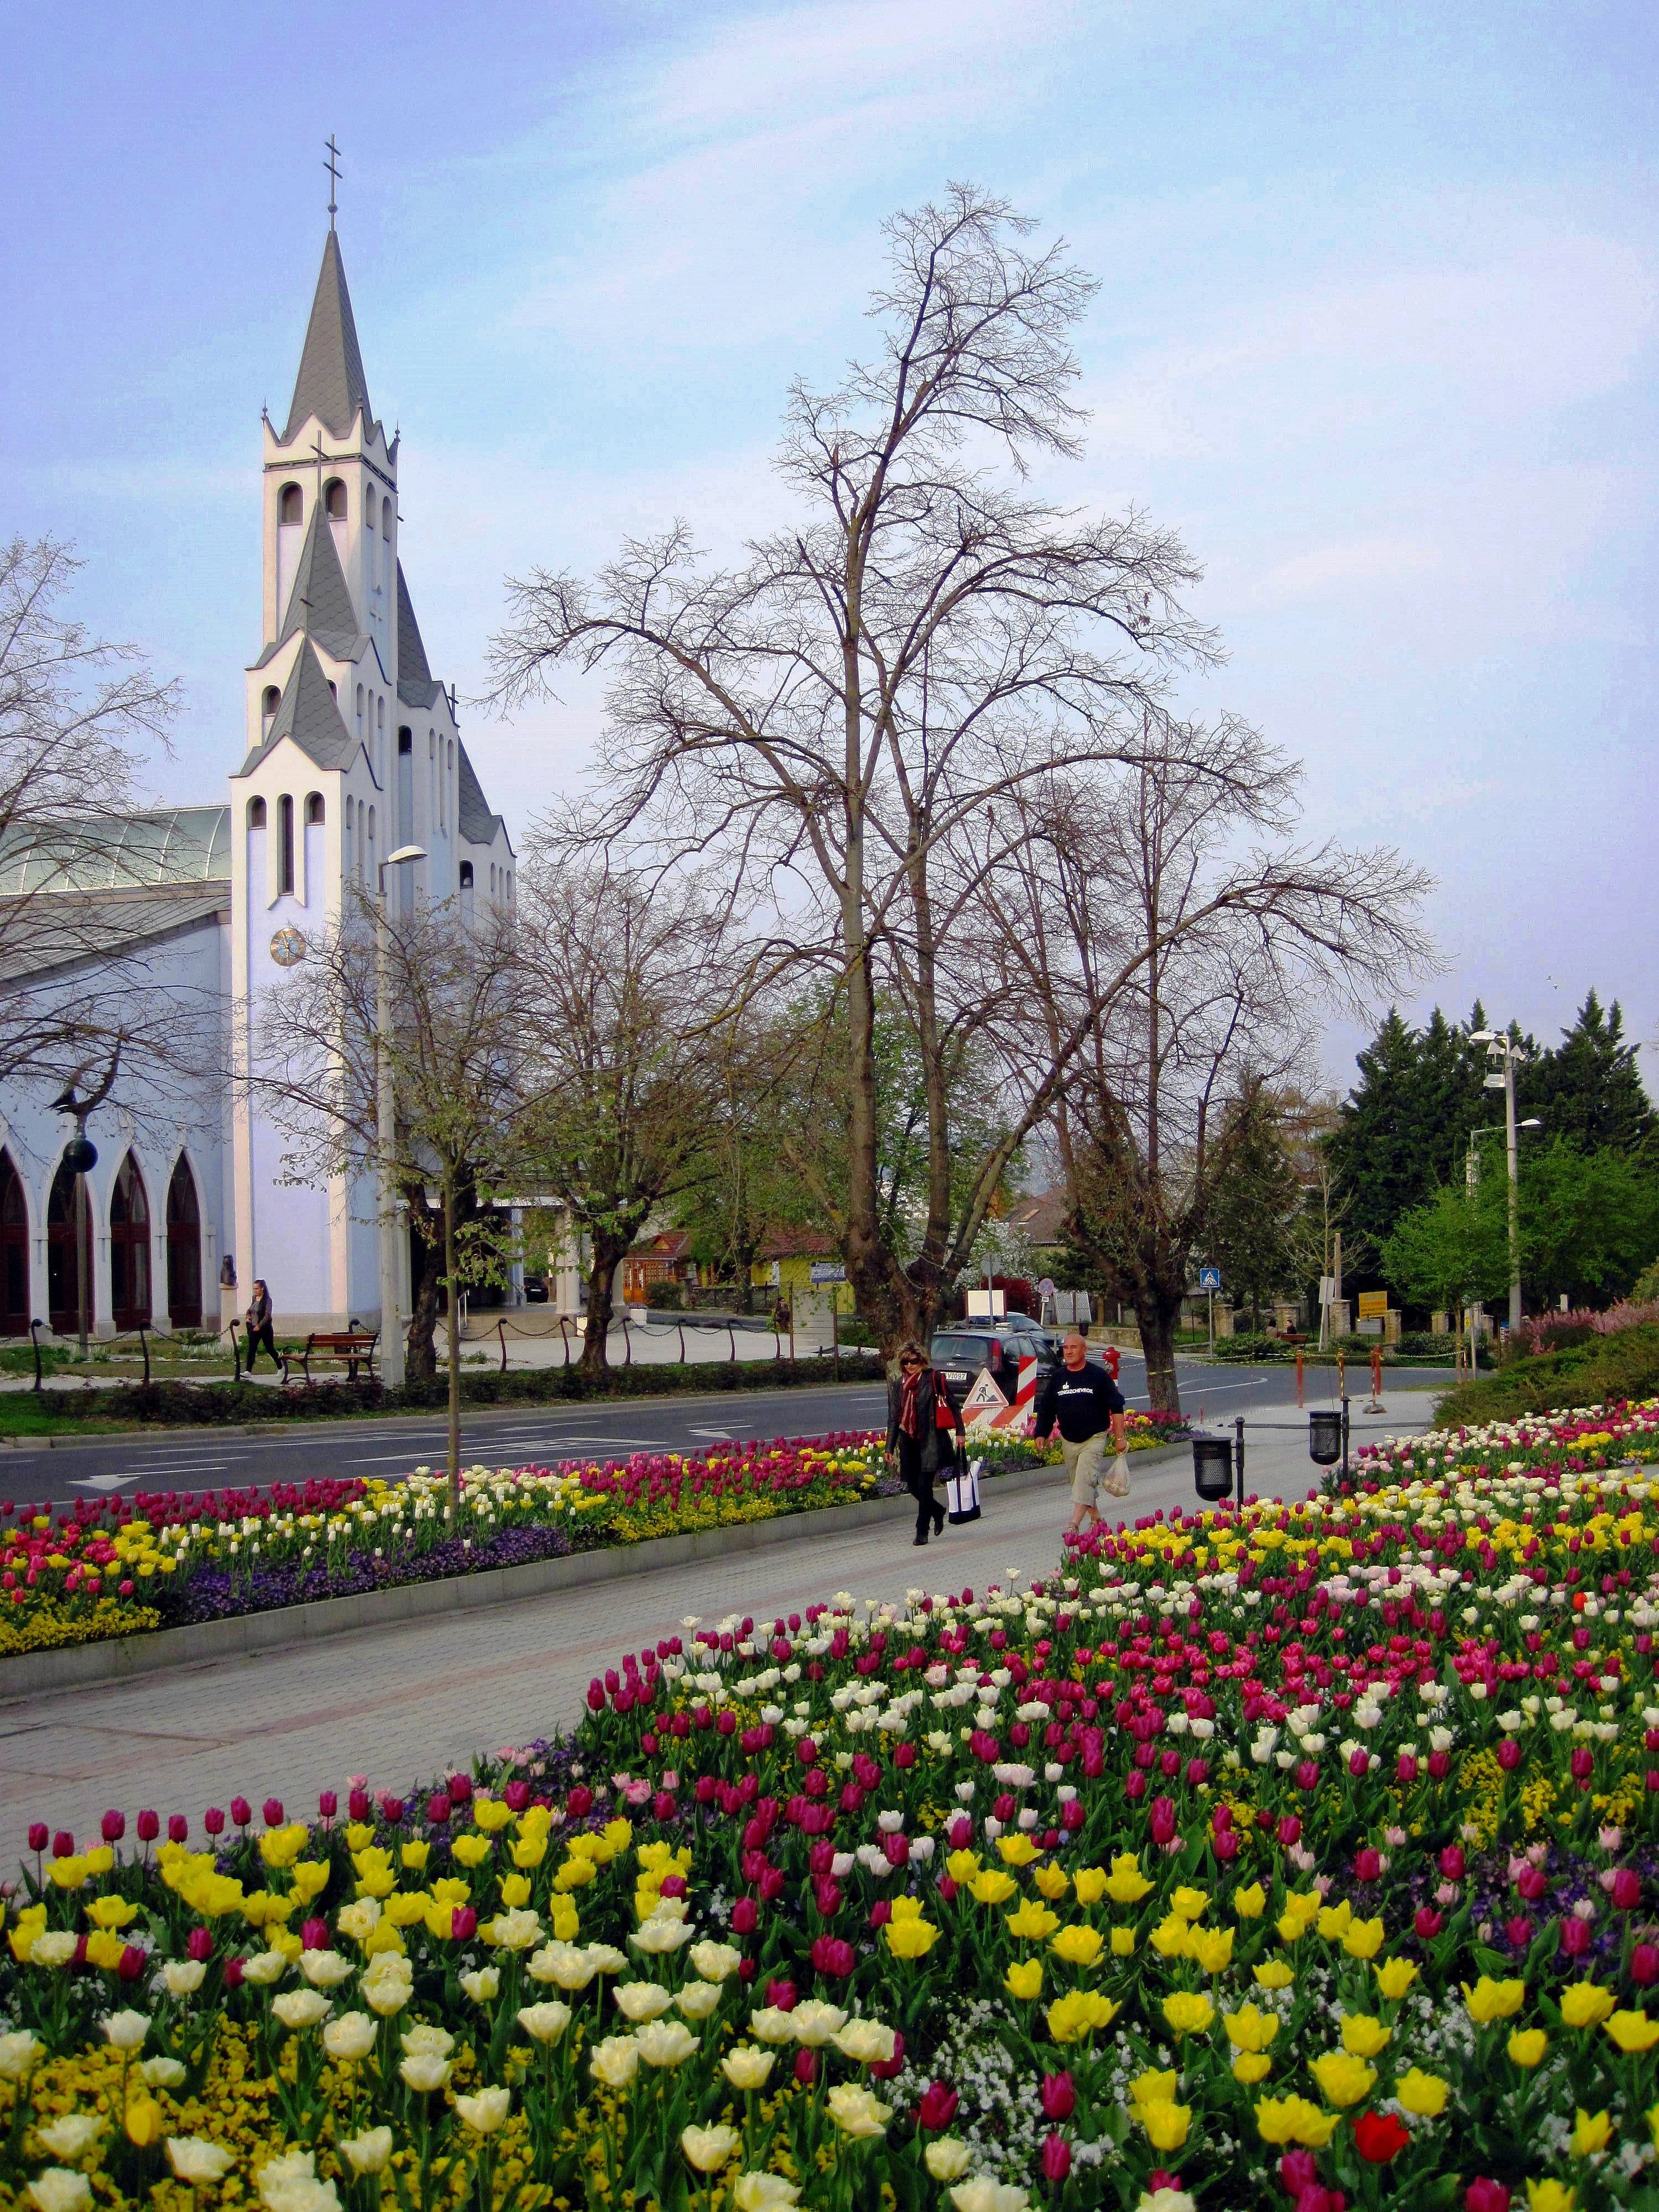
<point x="453" y="1290"/>
<point x="1157" y="1315"/>
<point x="420" y="1347"/>
<point x="607" y="1252"/>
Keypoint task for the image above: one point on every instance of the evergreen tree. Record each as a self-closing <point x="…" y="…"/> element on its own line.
<point x="1590" y="1089"/>
<point x="1249" y="1232"/>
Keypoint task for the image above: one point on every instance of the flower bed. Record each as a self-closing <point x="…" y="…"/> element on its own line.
<point x="115" y="1567"/>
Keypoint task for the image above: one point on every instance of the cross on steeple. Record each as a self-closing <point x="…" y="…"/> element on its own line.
<point x="333" y="164"/>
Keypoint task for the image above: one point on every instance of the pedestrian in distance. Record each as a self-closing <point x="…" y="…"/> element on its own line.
<point x="922" y="1426"/>
<point x="261" y="1334"/>
<point x="1089" y="1407"/>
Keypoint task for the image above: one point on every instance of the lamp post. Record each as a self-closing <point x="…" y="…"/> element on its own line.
<point x="1503" y="1048"/>
<point x="391" y="1338"/>
<point x="80" y="1157"/>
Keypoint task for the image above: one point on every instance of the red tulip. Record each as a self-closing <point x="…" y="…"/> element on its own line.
<point x="1484" y="2196"/>
<point x="886" y="2070"/>
<point x="806" y="2067"/>
<point x="782" y="1995"/>
<point x="938" y="2107"/>
<point x="132" y="1963"/>
<point x="1427" y="1922"/>
<point x="1379" y="2136"/>
<point x="1059" y="2096"/>
<point x="114" y="1827"/>
<point x="39" y="1836"/>
<point x="1056" y="2157"/>
<point x="1626" y="1891"/>
<point x="1509" y="1758"/>
<point x="240" y="1811"/>
<point x="199" y="1944"/>
<point x="1532" y="1882"/>
<point x="1453" y="1864"/>
<point x="1575" y="1936"/>
<point x="358" y="1806"/>
<point x="1405" y="1769"/>
<point x="1367" y="1865"/>
<point x="1519" y="1931"/>
<point x="745" y="1917"/>
<point x="149" y="1825"/>
<point x="1644" y="1965"/>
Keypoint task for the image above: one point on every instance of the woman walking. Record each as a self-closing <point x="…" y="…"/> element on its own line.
<point x="921" y="1426"/>
<point x="261" y="1334"/>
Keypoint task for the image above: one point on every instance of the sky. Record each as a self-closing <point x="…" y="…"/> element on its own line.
<point x="1375" y="334"/>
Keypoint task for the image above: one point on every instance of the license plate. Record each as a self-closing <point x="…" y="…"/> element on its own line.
<point x="955" y="1375"/>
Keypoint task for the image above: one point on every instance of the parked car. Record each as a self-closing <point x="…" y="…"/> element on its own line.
<point x="535" y="1290"/>
<point x="962" y="1352"/>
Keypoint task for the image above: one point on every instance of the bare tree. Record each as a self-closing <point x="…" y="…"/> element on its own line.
<point x="833" y="714"/>
<point x="462" y="1078"/>
<point x="80" y="998"/>
<point x="623" y="995"/>
<point x="1170" y="970"/>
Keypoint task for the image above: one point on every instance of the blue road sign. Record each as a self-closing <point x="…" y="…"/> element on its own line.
<point x="1209" y="1278"/>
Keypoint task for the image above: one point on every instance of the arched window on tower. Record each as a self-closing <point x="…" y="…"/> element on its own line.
<point x="284" y="846"/>
<point x="290" y="517"/>
<point x="371" y="846"/>
<point x="129" y="1248"/>
<point x="268" y="705"/>
<point x="13" y="1252"/>
<point x="360" y="713"/>
<point x="314" y="808"/>
<point x="466" y="893"/>
<point x="334" y="506"/>
<point x="256" y="814"/>
<point x="63" y="1278"/>
<point x="184" y="1249"/>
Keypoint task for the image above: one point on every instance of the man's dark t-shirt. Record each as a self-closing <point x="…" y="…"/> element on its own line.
<point x="1082" y="1401"/>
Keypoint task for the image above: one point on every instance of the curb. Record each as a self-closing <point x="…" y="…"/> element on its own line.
<point x="120" y="1659"/>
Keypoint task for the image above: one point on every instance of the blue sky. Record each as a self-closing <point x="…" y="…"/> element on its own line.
<point x="1376" y="332"/>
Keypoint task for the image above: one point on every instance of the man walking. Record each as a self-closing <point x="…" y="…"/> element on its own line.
<point x="1088" y="1406"/>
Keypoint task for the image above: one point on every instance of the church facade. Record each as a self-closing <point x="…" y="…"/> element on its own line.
<point x="351" y="752"/>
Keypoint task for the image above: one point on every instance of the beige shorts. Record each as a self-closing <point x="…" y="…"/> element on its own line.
<point x="1085" y="1463"/>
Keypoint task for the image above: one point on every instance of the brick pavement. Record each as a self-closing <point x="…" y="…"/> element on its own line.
<point x="397" y="1704"/>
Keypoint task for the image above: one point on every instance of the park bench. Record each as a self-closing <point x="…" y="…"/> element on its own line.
<point x="349" y="1348"/>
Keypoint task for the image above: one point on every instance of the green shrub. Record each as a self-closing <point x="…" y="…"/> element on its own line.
<point x="1602" y="1369"/>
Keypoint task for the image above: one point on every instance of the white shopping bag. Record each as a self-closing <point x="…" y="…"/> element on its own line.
<point x="962" y="1492"/>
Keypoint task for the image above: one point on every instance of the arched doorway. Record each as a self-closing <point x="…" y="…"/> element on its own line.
<point x="184" y="1249"/>
<point x="13" y="1252"/>
<point x="63" y="1305"/>
<point x="129" y="1248"/>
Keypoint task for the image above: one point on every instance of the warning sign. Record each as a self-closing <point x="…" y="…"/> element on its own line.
<point x="1010" y="1420"/>
<point x="1373" y="1305"/>
<point x="985" y="1397"/>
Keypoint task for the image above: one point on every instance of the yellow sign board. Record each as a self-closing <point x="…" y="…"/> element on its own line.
<point x="1373" y="1305"/>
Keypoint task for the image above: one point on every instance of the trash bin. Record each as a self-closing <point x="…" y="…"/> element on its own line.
<point x="1325" y="1438"/>
<point x="1212" y="1467"/>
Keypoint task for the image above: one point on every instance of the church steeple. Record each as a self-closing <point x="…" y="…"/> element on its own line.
<point x="330" y="384"/>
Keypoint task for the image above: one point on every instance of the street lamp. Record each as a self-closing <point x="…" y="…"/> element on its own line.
<point x="391" y="1339"/>
<point x="1501" y="1047"/>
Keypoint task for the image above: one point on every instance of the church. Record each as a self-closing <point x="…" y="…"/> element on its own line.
<point x="352" y="753"/>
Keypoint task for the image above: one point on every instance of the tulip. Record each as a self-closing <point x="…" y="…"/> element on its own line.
<point x="328" y="1805"/>
<point x="1484" y="2196"/>
<point x="1405" y="1769"/>
<point x="358" y="1806"/>
<point x="1298" y="2169"/>
<point x="1509" y="1758"/>
<point x="1439" y="1764"/>
<point x="1056" y="2156"/>
<point x="199" y="1944"/>
<point x="745" y="1917"/>
<point x="1626" y="1891"/>
<point x="39" y="1836"/>
<point x="938" y="2107"/>
<point x="1058" y="2095"/>
<point x="178" y="1828"/>
<point x="1576" y="1937"/>
<point x="1427" y="1922"/>
<point x="114" y="1827"/>
<point x="242" y="1813"/>
<point x="807" y="2068"/>
<point x="1644" y="1965"/>
<point x="1379" y="2137"/>
<point x="149" y="1825"/>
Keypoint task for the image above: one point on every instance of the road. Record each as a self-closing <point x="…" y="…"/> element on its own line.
<point x="193" y="1460"/>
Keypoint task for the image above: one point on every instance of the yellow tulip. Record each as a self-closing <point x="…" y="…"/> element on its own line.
<point x="1422" y="2094"/>
<point x="962" y="1866"/>
<point x="1123" y="1942"/>
<point x="1249" y="2028"/>
<point x="1251" y="1904"/>
<point x="1187" y="2012"/>
<point x="1592" y="2132"/>
<point x="1166" y="2124"/>
<point x="1275" y="1974"/>
<point x="1293" y="2119"/>
<point x="1586" y="2004"/>
<point x="1089" y="1883"/>
<point x="1153" y="2088"/>
<point x="1023" y="1979"/>
<point x="992" y="1886"/>
<point x="1489" y="2000"/>
<point x="1363" y="1939"/>
<point x="1032" y="1921"/>
<point x="1527" y="2046"/>
<point x="1127" y="1884"/>
<point x="1394" y="1977"/>
<point x="1017" y="1850"/>
<point x="1189" y="1903"/>
<point x="1211" y="1948"/>
<point x="1052" y="1882"/>
<point x="1078" y="2013"/>
<point x="1251" y="2067"/>
<point x="1550" y="2197"/>
<point x="1363" y="2037"/>
<point x="1632" y="2031"/>
<point x="1343" y="2080"/>
<point x="910" y="1939"/>
<point x="1080" y="1946"/>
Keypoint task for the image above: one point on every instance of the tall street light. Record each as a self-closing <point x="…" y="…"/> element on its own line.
<point x="1501" y="1048"/>
<point x="392" y="1334"/>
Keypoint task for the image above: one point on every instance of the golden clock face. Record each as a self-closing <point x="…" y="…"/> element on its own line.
<point x="287" y="947"/>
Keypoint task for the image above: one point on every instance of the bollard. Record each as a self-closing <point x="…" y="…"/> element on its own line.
<point x="1298" y="1376"/>
<point x="35" y="1340"/>
<point x="143" y="1346"/>
<point x="501" y="1331"/>
<point x="1238" y="1464"/>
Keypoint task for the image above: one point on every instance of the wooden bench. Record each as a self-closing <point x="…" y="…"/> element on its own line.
<point x="349" y="1348"/>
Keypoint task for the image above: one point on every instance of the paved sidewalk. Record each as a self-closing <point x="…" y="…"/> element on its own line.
<point x="397" y="1704"/>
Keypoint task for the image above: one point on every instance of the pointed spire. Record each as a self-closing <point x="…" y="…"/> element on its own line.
<point x="320" y="601"/>
<point x="310" y="715"/>
<point x="330" y="384"/>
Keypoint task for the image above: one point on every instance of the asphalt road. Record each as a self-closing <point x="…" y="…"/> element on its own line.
<point x="194" y="1461"/>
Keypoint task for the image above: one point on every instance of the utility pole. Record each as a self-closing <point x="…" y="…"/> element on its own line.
<point x="1502" y="1047"/>
<point x="392" y="1333"/>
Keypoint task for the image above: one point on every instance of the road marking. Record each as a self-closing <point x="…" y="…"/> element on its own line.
<point x="104" y="1482"/>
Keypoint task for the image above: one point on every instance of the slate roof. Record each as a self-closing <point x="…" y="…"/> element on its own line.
<point x="40" y="934"/>
<point x="118" y="852"/>
<point x="478" y="824"/>
<point x="309" y="715"/>
<point x="415" y="687"/>
<point x="330" y="384"/>
<point x="320" y="601"/>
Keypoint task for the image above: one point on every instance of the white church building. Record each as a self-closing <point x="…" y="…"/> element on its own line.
<point x="351" y="751"/>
